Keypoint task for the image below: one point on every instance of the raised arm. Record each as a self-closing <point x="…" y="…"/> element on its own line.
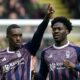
<point x="34" y="45"/>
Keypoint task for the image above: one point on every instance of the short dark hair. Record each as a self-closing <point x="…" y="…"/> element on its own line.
<point x="63" y="20"/>
<point x="12" y="26"/>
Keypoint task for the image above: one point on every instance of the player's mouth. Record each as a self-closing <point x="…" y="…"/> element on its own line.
<point x="18" y="43"/>
<point x="57" y="37"/>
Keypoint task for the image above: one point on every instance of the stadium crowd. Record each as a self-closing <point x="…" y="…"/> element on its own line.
<point x="73" y="7"/>
<point x="31" y="9"/>
<point x="21" y="9"/>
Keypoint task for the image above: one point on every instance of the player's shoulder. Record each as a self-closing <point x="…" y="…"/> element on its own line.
<point x="48" y="48"/>
<point x="24" y="44"/>
<point x="76" y="46"/>
<point x="3" y="50"/>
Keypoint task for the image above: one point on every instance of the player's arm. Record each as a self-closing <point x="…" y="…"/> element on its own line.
<point x="33" y="46"/>
<point x="42" y="75"/>
<point x="77" y="66"/>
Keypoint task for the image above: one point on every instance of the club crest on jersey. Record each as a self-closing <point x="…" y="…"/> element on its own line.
<point x="6" y="68"/>
<point x="67" y="54"/>
<point x="12" y="65"/>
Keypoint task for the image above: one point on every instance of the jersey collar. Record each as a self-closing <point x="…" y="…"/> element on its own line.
<point x="10" y="51"/>
<point x="61" y="47"/>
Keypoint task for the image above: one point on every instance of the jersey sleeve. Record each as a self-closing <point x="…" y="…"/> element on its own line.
<point x="42" y="75"/>
<point x="77" y="66"/>
<point x="34" y="44"/>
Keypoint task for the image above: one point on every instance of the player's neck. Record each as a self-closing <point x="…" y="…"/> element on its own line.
<point x="62" y="43"/>
<point x="13" y="48"/>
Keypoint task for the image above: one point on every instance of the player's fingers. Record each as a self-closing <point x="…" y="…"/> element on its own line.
<point x="48" y="5"/>
<point x="50" y="8"/>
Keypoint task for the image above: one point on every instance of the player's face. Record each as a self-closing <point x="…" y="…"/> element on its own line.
<point x="59" y="32"/>
<point x="15" y="37"/>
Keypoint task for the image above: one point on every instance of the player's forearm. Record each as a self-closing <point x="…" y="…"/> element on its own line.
<point x="43" y="25"/>
<point x="41" y="28"/>
<point x="36" y="40"/>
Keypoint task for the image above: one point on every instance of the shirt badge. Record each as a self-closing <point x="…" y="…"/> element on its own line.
<point x="67" y="54"/>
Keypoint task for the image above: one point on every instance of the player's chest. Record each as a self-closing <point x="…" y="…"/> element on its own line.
<point x="10" y="57"/>
<point x="13" y="60"/>
<point x="60" y="55"/>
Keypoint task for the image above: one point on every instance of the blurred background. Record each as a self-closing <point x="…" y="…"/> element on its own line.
<point x="36" y="10"/>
